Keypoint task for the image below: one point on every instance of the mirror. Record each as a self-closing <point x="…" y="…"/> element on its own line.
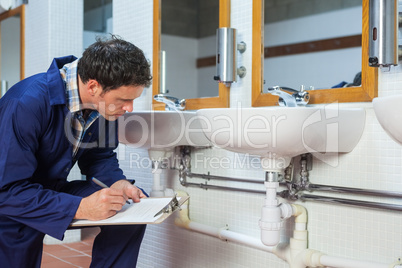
<point x="326" y="94"/>
<point x="98" y="20"/>
<point x="323" y="55"/>
<point x="188" y="39"/>
<point x="12" y="54"/>
<point x="195" y="84"/>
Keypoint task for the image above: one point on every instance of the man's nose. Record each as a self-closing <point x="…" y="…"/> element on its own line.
<point x="128" y="107"/>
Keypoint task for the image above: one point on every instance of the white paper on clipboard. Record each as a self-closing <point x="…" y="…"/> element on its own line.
<point x="135" y="213"/>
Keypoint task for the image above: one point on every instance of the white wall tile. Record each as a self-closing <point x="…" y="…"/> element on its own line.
<point x="242" y="20"/>
<point x="37" y="37"/>
<point x="132" y="20"/>
<point x="53" y="29"/>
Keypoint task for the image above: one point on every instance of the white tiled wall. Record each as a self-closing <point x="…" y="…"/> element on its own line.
<point x="132" y="20"/>
<point x="241" y="19"/>
<point x="361" y="233"/>
<point x="365" y="234"/>
<point x="53" y="29"/>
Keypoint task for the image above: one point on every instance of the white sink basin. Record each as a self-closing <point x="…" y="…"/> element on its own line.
<point x="388" y="111"/>
<point x="279" y="133"/>
<point x="161" y="130"/>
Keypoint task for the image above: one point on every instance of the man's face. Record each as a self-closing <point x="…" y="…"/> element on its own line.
<point x="116" y="102"/>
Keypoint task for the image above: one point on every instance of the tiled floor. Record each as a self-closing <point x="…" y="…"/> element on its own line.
<point x="70" y="255"/>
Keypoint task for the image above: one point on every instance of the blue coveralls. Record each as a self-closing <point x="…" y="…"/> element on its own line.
<point x="35" y="159"/>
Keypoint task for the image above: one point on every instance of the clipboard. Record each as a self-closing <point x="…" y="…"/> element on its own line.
<point x="153" y="210"/>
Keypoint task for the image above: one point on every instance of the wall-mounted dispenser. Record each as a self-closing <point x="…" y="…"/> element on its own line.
<point x="226" y="56"/>
<point x="383" y="33"/>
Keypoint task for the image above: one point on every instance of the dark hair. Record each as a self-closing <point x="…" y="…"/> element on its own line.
<point x="114" y="63"/>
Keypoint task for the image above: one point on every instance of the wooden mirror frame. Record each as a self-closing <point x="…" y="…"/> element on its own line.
<point x="11" y="13"/>
<point x="220" y="101"/>
<point x="364" y="93"/>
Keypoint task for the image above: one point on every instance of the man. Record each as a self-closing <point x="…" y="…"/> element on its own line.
<point x="52" y="120"/>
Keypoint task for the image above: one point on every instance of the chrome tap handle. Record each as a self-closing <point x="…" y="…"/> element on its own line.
<point x="291" y="89"/>
<point x="285" y="99"/>
<point x="302" y="97"/>
<point x="297" y="98"/>
<point x="172" y="103"/>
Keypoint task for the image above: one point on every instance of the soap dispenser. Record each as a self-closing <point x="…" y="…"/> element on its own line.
<point x="226" y="56"/>
<point x="383" y="33"/>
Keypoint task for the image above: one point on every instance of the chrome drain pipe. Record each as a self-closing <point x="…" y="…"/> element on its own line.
<point x="350" y="202"/>
<point x="217" y="187"/>
<point x="311" y="186"/>
<point x="303" y="197"/>
<point x="222" y="178"/>
<point x="347" y="190"/>
<point x="295" y="191"/>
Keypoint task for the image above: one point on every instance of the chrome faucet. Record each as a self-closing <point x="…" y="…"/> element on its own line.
<point x="298" y="98"/>
<point x="172" y="103"/>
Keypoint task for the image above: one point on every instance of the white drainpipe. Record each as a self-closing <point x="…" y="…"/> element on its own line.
<point x="296" y="253"/>
<point x="223" y="233"/>
<point x="157" y="188"/>
<point x="272" y="215"/>
<point x="157" y="158"/>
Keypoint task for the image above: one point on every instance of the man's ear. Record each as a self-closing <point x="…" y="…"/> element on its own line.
<point x="93" y="87"/>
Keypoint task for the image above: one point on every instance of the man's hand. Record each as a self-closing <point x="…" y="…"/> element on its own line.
<point x="101" y="204"/>
<point x="107" y="202"/>
<point x="130" y="191"/>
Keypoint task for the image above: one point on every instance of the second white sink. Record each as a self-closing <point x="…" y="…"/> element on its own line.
<point x="388" y="111"/>
<point x="279" y="133"/>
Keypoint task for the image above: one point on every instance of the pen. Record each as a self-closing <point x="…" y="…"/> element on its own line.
<point x="101" y="184"/>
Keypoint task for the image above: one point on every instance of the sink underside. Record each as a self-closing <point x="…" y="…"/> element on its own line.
<point x="161" y="130"/>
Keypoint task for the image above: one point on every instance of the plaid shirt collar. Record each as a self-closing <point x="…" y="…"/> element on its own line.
<point x="79" y="122"/>
<point x="69" y="74"/>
